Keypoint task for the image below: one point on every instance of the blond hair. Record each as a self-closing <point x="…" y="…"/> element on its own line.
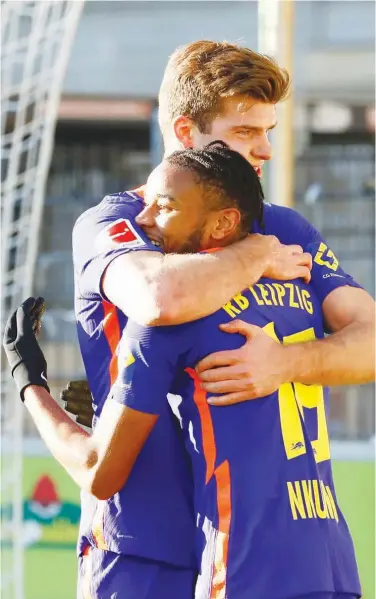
<point x="199" y="75"/>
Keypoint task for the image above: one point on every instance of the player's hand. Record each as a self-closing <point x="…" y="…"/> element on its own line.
<point x="255" y="370"/>
<point x="283" y="262"/>
<point x="26" y="360"/>
<point x="78" y="401"/>
<point x="287" y="262"/>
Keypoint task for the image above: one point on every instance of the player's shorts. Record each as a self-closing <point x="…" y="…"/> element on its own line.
<point x="108" y="575"/>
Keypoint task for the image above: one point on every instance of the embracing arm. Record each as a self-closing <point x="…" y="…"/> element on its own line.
<point x="347" y="356"/>
<point x="261" y="365"/>
<point x="156" y="289"/>
<point x="114" y="260"/>
<point x="100" y="464"/>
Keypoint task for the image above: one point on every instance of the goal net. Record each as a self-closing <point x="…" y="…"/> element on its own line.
<point x="36" y="38"/>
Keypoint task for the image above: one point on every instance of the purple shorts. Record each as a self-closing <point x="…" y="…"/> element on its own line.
<point x="107" y="575"/>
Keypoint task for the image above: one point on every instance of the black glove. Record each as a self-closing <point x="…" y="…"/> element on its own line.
<point x="78" y="401"/>
<point x="25" y="357"/>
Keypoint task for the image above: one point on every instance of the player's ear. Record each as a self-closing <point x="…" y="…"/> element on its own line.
<point x="226" y="223"/>
<point x="183" y="129"/>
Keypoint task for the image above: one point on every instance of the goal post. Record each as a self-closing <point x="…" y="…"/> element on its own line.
<point x="36" y="42"/>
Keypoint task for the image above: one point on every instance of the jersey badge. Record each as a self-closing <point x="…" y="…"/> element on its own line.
<point x="119" y="234"/>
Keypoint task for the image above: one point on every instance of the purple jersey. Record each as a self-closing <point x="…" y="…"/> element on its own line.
<point x="152" y="517"/>
<point x="290" y="227"/>
<point x="268" y="521"/>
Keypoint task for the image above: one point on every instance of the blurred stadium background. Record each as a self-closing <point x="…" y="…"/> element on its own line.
<point x="79" y="121"/>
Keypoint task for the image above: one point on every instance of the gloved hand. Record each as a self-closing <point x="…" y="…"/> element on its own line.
<point x="25" y="357"/>
<point x="78" y="401"/>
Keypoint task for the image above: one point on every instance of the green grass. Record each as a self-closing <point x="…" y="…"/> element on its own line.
<point x="50" y="574"/>
<point x="355" y="486"/>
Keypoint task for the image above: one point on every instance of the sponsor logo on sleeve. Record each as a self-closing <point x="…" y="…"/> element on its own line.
<point x="119" y="234"/>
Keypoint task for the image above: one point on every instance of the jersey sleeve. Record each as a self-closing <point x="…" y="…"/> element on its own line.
<point x="100" y="235"/>
<point x="148" y="361"/>
<point x="289" y="226"/>
<point x="292" y="228"/>
<point x="327" y="273"/>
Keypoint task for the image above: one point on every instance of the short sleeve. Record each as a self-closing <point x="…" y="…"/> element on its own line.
<point x="327" y="273"/>
<point x="290" y="227"/>
<point x="100" y="235"/>
<point x="148" y="360"/>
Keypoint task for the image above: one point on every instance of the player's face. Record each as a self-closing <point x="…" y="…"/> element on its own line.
<point x="244" y="125"/>
<point x="174" y="215"/>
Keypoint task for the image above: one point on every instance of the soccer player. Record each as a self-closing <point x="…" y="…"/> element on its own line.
<point x="264" y="493"/>
<point x="268" y="522"/>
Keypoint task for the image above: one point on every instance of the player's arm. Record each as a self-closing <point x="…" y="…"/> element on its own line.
<point x="100" y="463"/>
<point x="148" y="359"/>
<point x="345" y="357"/>
<point x="157" y="289"/>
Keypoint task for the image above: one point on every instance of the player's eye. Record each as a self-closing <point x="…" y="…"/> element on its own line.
<point x="244" y="133"/>
<point x="164" y="208"/>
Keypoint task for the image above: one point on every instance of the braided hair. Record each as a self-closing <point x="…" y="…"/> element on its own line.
<point x="228" y="178"/>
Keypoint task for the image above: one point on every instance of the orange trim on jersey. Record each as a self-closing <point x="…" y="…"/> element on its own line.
<point x="140" y="191"/>
<point x="97" y="527"/>
<point x="111" y="329"/>
<point x="223" y="480"/>
<point x="208" y="440"/>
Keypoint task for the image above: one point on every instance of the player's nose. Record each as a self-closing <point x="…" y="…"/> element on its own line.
<point x="146" y="218"/>
<point x="262" y="150"/>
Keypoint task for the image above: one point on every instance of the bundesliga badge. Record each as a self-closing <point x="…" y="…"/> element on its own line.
<point x="119" y="234"/>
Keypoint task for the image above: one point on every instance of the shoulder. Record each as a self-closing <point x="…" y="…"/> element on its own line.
<point x="289" y="225"/>
<point x="125" y="204"/>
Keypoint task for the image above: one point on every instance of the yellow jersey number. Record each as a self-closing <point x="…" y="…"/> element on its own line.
<point x="292" y="398"/>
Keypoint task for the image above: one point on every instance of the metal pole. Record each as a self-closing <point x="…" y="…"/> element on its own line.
<point x="276" y="38"/>
<point x="53" y="27"/>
